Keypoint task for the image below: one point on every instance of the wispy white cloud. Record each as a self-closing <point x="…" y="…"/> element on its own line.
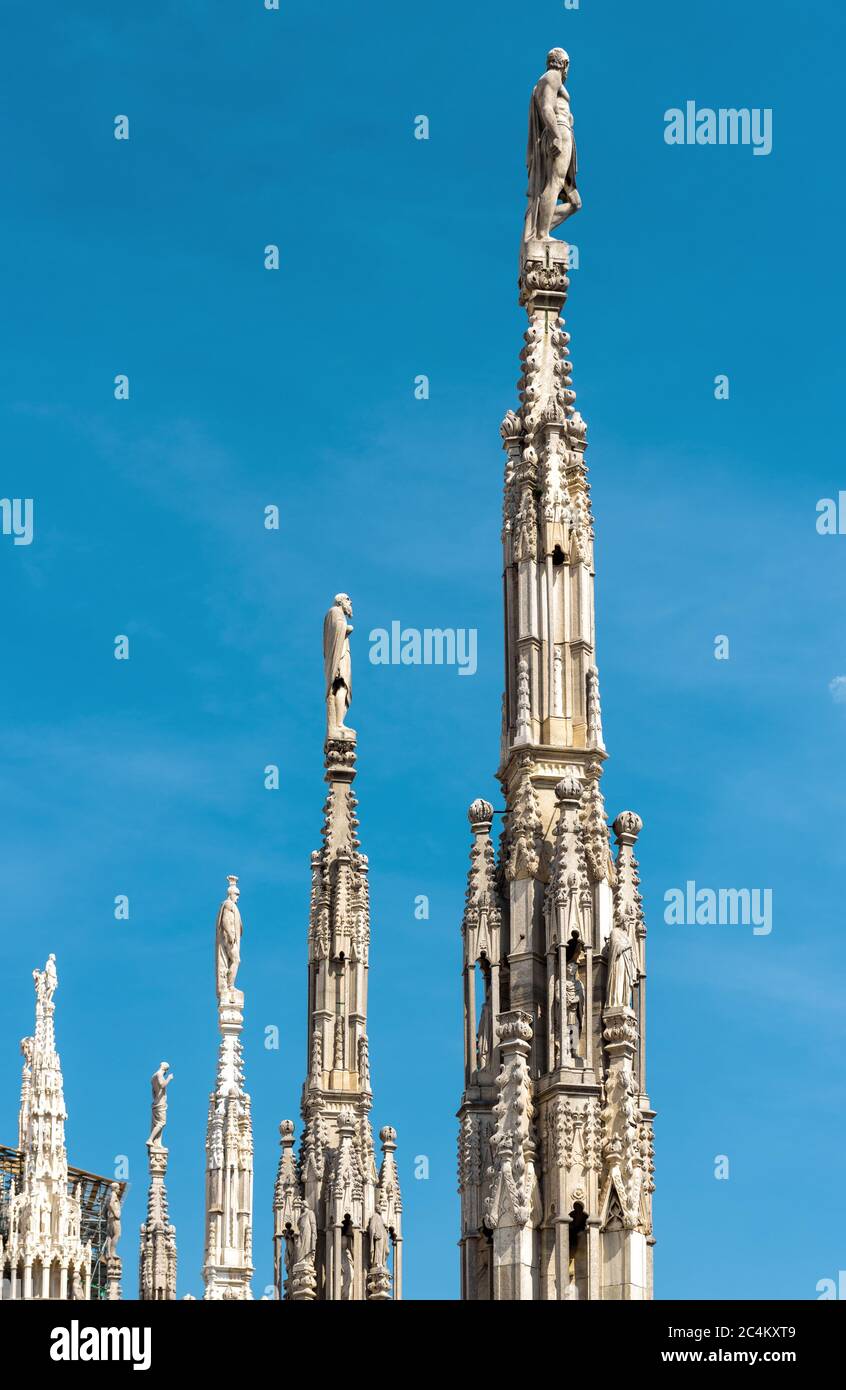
<point x="837" y="688"/>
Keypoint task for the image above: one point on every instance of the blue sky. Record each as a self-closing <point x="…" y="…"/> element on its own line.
<point x="295" y="388"/>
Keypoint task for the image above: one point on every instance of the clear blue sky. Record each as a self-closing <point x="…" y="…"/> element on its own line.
<point x="250" y="387"/>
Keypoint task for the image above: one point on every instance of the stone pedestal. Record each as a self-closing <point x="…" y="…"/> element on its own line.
<point x="303" y="1282"/>
<point x="114" y="1272"/>
<point x="379" y="1284"/>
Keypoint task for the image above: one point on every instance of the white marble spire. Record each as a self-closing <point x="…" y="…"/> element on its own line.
<point x="43" y="1255"/>
<point x="157" y="1262"/>
<point x="555" y="1148"/>
<point x="337" y="1221"/>
<point x="228" y="1262"/>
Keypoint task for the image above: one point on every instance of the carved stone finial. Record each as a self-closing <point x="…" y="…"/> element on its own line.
<point x="480" y="815"/>
<point x="511" y="427"/>
<point x="627" y="827"/>
<point x="570" y="786"/>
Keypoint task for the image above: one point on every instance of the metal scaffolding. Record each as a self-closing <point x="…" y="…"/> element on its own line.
<point x="94" y="1196"/>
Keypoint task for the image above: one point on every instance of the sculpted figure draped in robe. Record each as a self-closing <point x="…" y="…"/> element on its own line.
<point x="228" y="932"/>
<point x="621" y="965"/>
<point x="160" y="1082"/>
<point x="575" y="1005"/>
<point x="337" y="666"/>
<point x="347" y="1272"/>
<point x="379" y="1241"/>
<point x="306" y="1241"/>
<point x="551" y="156"/>
<point x="483" y="1036"/>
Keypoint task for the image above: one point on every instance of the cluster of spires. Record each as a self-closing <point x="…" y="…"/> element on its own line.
<point x="555" y="1140"/>
<point x="337" y="1216"/>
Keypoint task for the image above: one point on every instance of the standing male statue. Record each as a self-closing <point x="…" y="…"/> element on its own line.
<point x="337" y="666"/>
<point x="551" y="156"/>
<point x="228" y="931"/>
<point x="160" y="1083"/>
<point x="112" y="1222"/>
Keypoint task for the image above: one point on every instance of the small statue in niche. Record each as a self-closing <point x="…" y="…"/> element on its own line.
<point x="483" y="1035"/>
<point x="347" y="1272"/>
<point x="575" y="1007"/>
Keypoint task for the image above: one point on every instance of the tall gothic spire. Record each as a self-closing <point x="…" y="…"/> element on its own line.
<point x="43" y="1251"/>
<point x="337" y="1220"/>
<point x="228" y="1262"/>
<point x="555" y="1141"/>
<point x="157" y="1264"/>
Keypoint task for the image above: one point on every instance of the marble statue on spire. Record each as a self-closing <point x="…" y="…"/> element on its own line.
<point x="112" y="1222"/>
<point x="159" y="1083"/>
<point x="551" y="156"/>
<point x="337" y="666"/>
<point x="228" y="932"/>
<point x="157" y="1262"/>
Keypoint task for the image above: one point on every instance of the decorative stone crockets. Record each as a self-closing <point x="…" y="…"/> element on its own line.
<point x="337" y="1219"/>
<point x="555" y="1140"/>
<point x="42" y="1255"/>
<point x="513" y="1203"/>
